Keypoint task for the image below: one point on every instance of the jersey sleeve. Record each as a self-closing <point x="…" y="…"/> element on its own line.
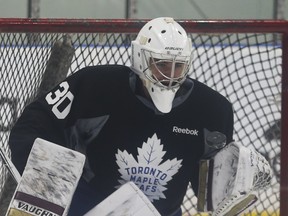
<point x="228" y="123"/>
<point x="224" y="119"/>
<point x="48" y="116"/>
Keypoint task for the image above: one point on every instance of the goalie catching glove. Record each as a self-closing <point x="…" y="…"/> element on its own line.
<point x="229" y="181"/>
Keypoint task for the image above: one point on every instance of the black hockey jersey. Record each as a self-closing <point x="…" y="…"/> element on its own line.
<point x="96" y="111"/>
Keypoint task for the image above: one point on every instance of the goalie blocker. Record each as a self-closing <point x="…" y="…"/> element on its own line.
<point x="229" y="181"/>
<point x="48" y="182"/>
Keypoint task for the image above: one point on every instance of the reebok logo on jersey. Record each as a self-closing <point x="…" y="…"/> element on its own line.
<point x="185" y="131"/>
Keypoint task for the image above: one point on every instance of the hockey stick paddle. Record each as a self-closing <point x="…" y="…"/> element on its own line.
<point x="127" y="200"/>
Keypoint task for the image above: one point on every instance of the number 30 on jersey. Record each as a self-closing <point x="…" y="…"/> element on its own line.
<point x="61" y="99"/>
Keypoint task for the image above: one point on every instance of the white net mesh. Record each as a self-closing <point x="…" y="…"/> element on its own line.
<point x="244" y="67"/>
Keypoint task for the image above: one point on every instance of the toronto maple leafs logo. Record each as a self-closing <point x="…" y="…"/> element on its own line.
<point x="148" y="173"/>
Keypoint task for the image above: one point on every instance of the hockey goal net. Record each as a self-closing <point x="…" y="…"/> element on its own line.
<point x="244" y="60"/>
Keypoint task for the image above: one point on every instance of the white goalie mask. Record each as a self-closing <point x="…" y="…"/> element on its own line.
<point x="161" y="56"/>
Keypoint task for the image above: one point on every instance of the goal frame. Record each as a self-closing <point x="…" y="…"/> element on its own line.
<point x="193" y="26"/>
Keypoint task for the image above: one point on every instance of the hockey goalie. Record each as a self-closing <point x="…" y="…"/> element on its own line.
<point x="229" y="181"/>
<point x="144" y="124"/>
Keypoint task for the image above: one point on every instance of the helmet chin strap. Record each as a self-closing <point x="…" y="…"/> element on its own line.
<point x="162" y="98"/>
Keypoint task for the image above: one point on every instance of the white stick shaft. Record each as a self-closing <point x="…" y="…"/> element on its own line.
<point x="10" y="166"/>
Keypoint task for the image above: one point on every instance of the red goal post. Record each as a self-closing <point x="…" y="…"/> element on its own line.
<point x="233" y="47"/>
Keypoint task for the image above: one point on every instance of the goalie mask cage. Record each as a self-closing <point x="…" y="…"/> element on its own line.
<point x="244" y="60"/>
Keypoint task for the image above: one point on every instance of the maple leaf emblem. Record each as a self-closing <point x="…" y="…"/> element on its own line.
<point x="148" y="173"/>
